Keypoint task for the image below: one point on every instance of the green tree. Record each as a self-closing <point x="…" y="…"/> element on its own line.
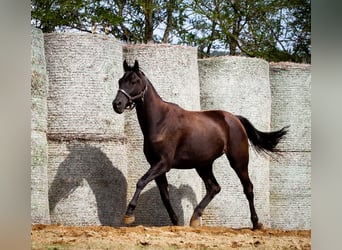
<point x="276" y="30"/>
<point x="271" y="29"/>
<point x="300" y="29"/>
<point x="50" y="15"/>
<point x="132" y="21"/>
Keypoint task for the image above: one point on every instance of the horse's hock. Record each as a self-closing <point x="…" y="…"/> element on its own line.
<point x="173" y="71"/>
<point x="290" y="177"/>
<point x="241" y="86"/>
<point x="87" y="147"/>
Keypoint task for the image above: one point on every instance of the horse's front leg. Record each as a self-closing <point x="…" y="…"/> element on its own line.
<point x="164" y="193"/>
<point x="150" y="175"/>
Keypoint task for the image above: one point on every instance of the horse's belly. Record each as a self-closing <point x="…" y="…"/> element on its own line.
<point x="197" y="156"/>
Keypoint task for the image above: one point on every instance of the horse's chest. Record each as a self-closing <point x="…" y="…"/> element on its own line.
<point x="156" y="148"/>
<point x="160" y="143"/>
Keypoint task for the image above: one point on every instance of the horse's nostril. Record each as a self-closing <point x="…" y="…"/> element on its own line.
<point x="116" y="104"/>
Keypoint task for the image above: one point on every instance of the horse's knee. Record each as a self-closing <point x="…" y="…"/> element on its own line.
<point x="140" y="184"/>
<point x="249" y="194"/>
<point x="216" y="189"/>
<point x="248" y="190"/>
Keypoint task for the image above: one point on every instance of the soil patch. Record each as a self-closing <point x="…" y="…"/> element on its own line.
<point x="169" y="237"/>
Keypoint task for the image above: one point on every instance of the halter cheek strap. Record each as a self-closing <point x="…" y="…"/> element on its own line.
<point x="130" y="98"/>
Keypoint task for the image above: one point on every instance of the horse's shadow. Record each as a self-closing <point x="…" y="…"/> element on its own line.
<point x="151" y="211"/>
<point x="107" y="182"/>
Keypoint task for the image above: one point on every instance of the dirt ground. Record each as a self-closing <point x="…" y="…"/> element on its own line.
<point x="171" y="237"/>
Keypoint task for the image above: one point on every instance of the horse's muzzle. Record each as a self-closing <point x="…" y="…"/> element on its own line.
<point x="118" y="106"/>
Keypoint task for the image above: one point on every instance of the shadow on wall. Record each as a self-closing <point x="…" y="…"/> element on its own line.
<point x="150" y="210"/>
<point x="108" y="184"/>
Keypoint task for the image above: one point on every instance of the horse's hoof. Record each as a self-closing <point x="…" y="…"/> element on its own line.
<point x="258" y="226"/>
<point x="128" y="219"/>
<point x="197" y="222"/>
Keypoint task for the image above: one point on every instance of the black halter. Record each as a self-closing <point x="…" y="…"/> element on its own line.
<point x="131" y="104"/>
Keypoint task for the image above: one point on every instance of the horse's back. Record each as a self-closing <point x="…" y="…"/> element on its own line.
<point x="204" y="136"/>
<point x="226" y="120"/>
<point x="215" y="124"/>
<point x="193" y="138"/>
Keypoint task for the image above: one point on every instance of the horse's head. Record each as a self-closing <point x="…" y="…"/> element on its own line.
<point x="132" y="87"/>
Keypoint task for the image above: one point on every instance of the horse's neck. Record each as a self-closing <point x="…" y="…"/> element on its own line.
<point x="150" y="110"/>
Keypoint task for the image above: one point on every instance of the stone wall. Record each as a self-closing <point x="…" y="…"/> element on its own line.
<point x="87" y="145"/>
<point x="290" y="176"/>
<point x="39" y="145"/>
<point x="241" y="86"/>
<point x="86" y="159"/>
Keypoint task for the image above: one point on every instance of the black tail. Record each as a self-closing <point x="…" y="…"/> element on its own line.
<point x="263" y="142"/>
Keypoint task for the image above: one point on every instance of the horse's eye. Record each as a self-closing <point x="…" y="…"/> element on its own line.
<point x="134" y="82"/>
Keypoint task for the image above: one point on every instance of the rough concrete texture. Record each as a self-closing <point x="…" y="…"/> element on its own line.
<point x="87" y="182"/>
<point x="87" y="164"/>
<point x="290" y="191"/>
<point x="291" y="103"/>
<point x="39" y="112"/>
<point x="173" y="71"/>
<point x="290" y="177"/>
<point x="241" y="86"/>
<point x="83" y="70"/>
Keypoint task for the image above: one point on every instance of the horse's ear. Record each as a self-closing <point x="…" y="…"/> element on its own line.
<point x="125" y="66"/>
<point x="136" y="66"/>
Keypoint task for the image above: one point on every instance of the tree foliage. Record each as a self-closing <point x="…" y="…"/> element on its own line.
<point x="276" y="30"/>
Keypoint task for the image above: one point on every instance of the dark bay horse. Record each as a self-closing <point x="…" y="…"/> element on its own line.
<point x="181" y="139"/>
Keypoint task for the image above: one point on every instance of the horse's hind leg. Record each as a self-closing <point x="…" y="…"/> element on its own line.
<point x="240" y="166"/>
<point x="164" y="193"/>
<point x="212" y="187"/>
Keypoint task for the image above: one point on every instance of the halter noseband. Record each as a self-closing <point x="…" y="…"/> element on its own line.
<point x="131" y="104"/>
